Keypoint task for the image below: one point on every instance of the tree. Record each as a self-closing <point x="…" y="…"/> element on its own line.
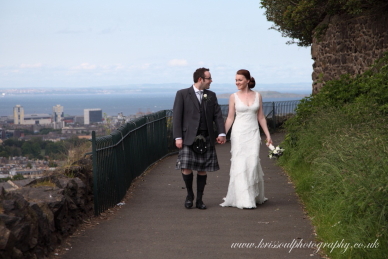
<point x="46" y="131"/>
<point x="13" y="151"/>
<point x="13" y="142"/>
<point x="31" y="149"/>
<point x="55" y="149"/>
<point x="52" y="164"/>
<point x="299" y="19"/>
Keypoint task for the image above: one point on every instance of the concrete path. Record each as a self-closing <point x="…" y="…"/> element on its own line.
<point x="153" y="223"/>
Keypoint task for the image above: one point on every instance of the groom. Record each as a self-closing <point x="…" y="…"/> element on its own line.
<point x="195" y="110"/>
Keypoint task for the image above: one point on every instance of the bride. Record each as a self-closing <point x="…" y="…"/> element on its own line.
<point x="246" y="184"/>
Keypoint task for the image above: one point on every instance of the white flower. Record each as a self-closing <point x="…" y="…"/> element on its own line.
<point x="275" y="152"/>
<point x="205" y="96"/>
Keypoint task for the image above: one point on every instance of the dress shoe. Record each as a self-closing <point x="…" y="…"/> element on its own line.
<point x="189" y="202"/>
<point x="200" y="205"/>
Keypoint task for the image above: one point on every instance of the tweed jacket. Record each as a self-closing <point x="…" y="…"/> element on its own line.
<point x="186" y="115"/>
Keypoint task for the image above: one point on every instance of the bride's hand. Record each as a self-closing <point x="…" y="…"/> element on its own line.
<point x="268" y="141"/>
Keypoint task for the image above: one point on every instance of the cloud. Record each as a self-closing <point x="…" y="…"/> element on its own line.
<point x="85" y="66"/>
<point x="177" y="62"/>
<point x="31" y="65"/>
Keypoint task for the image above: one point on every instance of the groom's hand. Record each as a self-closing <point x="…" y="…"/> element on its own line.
<point x="221" y="139"/>
<point x="178" y="143"/>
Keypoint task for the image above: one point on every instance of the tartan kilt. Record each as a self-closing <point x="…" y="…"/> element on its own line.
<point x="188" y="159"/>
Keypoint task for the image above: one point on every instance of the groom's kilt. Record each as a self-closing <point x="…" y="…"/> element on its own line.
<point x="188" y="159"/>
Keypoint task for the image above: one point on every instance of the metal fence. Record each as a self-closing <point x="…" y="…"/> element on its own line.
<point x="124" y="155"/>
<point x="278" y="112"/>
<point x="275" y="112"/>
<point x="127" y="152"/>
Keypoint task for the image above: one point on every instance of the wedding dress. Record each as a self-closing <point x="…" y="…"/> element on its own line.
<point x="246" y="184"/>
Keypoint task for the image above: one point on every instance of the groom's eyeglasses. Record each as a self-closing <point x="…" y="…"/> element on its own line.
<point x="207" y="78"/>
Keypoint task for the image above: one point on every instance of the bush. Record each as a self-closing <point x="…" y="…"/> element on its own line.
<point x="338" y="159"/>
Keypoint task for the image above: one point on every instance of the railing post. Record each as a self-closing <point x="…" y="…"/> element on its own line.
<point x="273" y="116"/>
<point x="95" y="174"/>
<point x="118" y="194"/>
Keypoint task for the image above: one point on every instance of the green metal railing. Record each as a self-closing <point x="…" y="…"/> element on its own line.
<point x="275" y="112"/>
<point x="278" y="112"/>
<point x="126" y="153"/>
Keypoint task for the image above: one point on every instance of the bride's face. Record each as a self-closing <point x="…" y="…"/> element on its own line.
<point x="241" y="82"/>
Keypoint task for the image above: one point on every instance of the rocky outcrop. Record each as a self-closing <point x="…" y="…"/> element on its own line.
<point x="35" y="218"/>
<point x="348" y="46"/>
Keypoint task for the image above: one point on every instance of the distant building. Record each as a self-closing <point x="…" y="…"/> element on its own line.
<point x="2" y="133"/>
<point x="19" y="118"/>
<point x="38" y="119"/>
<point x="92" y="115"/>
<point x="58" y="117"/>
<point x="79" y="119"/>
<point x="75" y="130"/>
<point x="18" y="114"/>
<point x="6" y="119"/>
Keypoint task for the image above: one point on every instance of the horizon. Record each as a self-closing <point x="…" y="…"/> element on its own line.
<point x="140" y="88"/>
<point x="62" y="44"/>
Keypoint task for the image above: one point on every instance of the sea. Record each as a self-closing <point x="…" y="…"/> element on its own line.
<point x="111" y="104"/>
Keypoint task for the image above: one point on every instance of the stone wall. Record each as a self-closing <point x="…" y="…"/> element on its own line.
<point x="37" y="216"/>
<point x="349" y="46"/>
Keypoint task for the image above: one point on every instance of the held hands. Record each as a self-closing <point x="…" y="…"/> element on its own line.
<point x="179" y="143"/>
<point x="221" y="140"/>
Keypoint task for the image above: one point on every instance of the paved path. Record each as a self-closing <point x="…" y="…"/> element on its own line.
<point x="154" y="223"/>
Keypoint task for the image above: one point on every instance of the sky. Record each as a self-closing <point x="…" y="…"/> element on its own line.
<point x="73" y="43"/>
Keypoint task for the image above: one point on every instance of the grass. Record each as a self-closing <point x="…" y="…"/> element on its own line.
<point x="46" y="183"/>
<point x="339" y="164"/>
<point x="73" y="154"/>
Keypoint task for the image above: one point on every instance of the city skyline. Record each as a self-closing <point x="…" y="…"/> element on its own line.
<point x="99" y="43"/>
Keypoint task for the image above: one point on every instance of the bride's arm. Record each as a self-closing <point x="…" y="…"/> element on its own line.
<point x="263" y="121"/>
<point x="231" y="112"/>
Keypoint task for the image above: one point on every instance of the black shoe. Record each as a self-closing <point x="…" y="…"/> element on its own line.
<point x="200" y="205"/>
<point x="189" y="202"/>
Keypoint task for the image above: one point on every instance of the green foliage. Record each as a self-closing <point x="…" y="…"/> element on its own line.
<point x="34" y="148"/>
<point x="338" y="160"/>
<point x="27" y="132"/>
<point x="31" y="149"/>
<point x="297" y="19"/>
<point x="5" y="179"/>
<point x="14" y="178"/>
<point x="370" y="88"/>
<point x="45" y="183"/>
<point x="13" y="142"/>
<point x="18" y="177"/>
<point x="52" y="164"/>
<point x="55" y="150"/>
<point x="46" y="131"/>
<point x="108" y="124"/>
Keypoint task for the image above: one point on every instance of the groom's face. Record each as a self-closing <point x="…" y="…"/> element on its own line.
<point x="207" y="80"/>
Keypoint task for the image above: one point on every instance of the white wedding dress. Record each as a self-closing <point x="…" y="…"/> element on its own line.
<point x="246" y="184"/>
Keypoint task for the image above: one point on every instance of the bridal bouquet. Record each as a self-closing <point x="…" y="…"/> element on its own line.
<point x="275" y="152"/>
